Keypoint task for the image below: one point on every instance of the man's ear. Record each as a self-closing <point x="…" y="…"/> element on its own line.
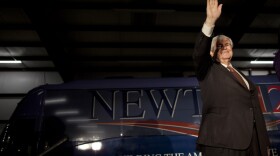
<point x="212" y="54"/>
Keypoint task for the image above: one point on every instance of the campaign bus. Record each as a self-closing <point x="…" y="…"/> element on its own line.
<point x="121" y="117"/>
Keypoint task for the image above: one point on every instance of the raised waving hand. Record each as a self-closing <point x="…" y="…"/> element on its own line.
<point x="213" y="12"/>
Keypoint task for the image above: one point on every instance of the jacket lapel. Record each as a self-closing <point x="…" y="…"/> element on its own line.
<point x="227" y="72"/>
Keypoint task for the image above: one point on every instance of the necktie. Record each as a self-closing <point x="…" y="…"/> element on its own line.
<point x="237" y="76"/>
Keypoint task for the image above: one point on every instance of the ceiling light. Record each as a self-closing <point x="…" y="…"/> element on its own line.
<point x="261" y="62"/>
<point x="10" y="61"/>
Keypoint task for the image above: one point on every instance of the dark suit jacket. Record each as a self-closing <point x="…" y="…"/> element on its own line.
<point x="229" y="109"/>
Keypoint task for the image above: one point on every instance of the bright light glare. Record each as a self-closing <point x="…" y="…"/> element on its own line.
<point x="84" y="147"/>
<point x="96" y="146"/>
<point x="55" y="101"/>
<point x="261" y="62"/>
<point x="13" y="61"/>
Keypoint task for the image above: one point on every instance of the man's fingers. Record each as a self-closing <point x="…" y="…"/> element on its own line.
<point x="208" y="2"/>
<point x="212" y="2"/>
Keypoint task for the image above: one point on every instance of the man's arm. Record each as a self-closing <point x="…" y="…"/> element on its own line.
<point x="201" y="56"/>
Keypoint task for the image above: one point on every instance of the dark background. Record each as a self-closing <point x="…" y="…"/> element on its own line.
<point x="65" y="40"/>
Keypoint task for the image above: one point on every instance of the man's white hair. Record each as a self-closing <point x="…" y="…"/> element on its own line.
<point x="219" y="38"/>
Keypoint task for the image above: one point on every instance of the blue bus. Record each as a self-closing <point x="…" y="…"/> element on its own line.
<point x="120" y="117"/>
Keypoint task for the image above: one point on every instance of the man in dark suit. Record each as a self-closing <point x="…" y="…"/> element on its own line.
<point x="232" y="122"/>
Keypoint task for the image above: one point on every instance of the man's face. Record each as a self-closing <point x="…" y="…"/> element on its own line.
<point x="224" y="50"/>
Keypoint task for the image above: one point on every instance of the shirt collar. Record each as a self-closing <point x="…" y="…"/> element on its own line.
<point x="226" y="65"/>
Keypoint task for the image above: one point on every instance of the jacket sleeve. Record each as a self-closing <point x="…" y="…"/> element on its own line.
<point x="201" y="56"/>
